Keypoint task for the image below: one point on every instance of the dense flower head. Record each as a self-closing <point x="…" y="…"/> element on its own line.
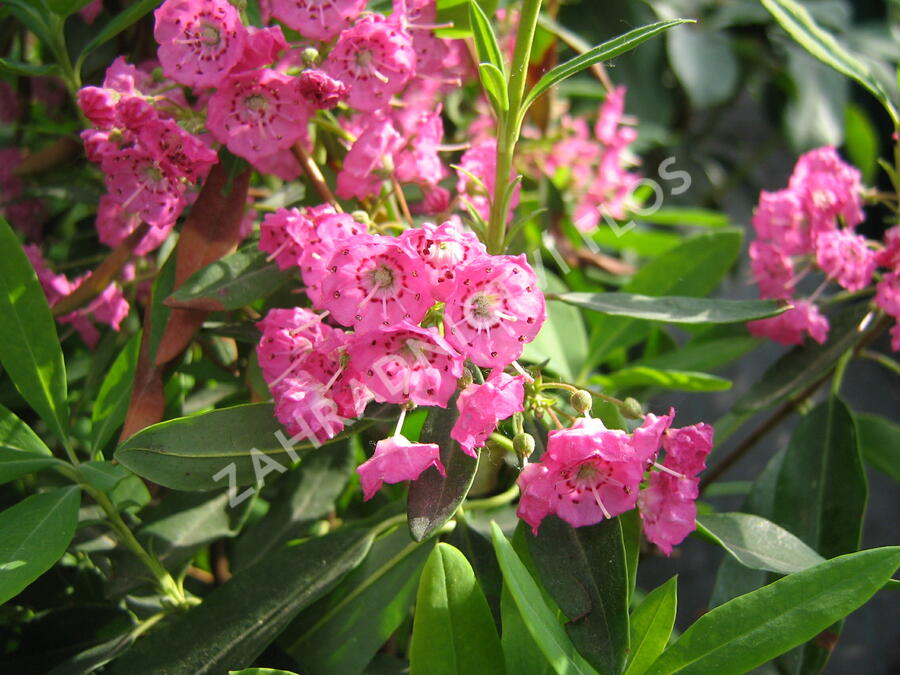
<point x="780" y="217"/>
<point x="772" y="269"/>
<point x="317" y="19"/>
<point x="257" y="112"/>
<point x="789" y="327"/>
<point x="482" y="406"/>
<point x="395" y="460"/>
<point x="494" y="310"/>
<point x="375" y="58"/>
<point x="845" y="257"/>
<point x="200" y="41"/>
<point x="829" y="187"/>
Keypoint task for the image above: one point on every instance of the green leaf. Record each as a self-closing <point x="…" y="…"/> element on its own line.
<point x="805" y="364"/>
<point x="21" y="451"/>
<point x="814" y="114"/>
<point x="34" y="534"/>
<point x="238" y="445"/>
<point x="28" y="69"/>
<point x="130" y="15"/>
<point x="603" y="52"/>
<point x="879" y="443"/>
<point x="545" y="630"/>
<point x="478" y="550"/>
<point x="485" y="40"/>
<point x="123" y="487"/>
<point x="111" y="405"/>
<point x="645" y="243"/>
<point x="701" y="354"/>
<point x="494" y="84"/>
<point x="66" y="7"/>
<point x="29" y="346"/>
<point x="230" y="282"/>
<point x="433" y="498"/>
<point x="520" y="652"/>
<point x="651" y="625"/>
<point x="758" y="543"/>
<point x="704" y="63"/>
<point x="686" y="217"/>
<point x="306" y="493"/>
<point x="674" y="309"/>
<point x="238" y="620"/>
<point x="701" y="262"/>
<point x="457" y="13"/>
<point x="754" y="628"/>
<point x="342" y="632"/>
<point x="32" y="15"/>
<point x="861" y="141"/>
<point x="641" y="376"/>
<point x="796" y="20"/>
<point x="631" y="539"/>
<point x="562" y="339"/>
<point x="584" y="570"/>
<point x="453" y="631"/>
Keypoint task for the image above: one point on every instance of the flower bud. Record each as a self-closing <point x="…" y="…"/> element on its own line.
<point x="310" y="56"/>
<point x="361" y="216"/>
<point x="523" y="444"/>
<point x="632" y="409"/>
<point x="465" y="379"/>
<point x="582" y="401"/>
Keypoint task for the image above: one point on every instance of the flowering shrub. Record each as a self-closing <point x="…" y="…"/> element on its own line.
<point x="375" y="371"/>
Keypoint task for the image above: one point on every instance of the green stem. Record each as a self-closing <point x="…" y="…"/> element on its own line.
<point x="885" y="361"/>
<point x="509" y="125"/>
<point x="493" y="502"/>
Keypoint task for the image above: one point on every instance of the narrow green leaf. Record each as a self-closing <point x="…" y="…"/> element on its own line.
<point x="28" y="69"/>
<point x="701" y="354"/>
<point x="231" y="282"/>
<point x="862" y="142"/>
<point x="32" y="15"/>
<point x="603" y="52"/>
<point x="546" y="631"/>
<point x="686" y="217"/>
<point x="66" y="7"/>
<point x="494" y="84"/>
<point x="520" y="651"/>
<point x="111" y="405"/>
<point x="34" y="534"/>
<point x="797" y="22"/>
<point x="651" y="625"/>
<point x="342" y="632"/>
<point x="29" y="346"/>
<point x="237" y="621"/>
<point x="456" y="12"/>
<point x="453" y="632"/>
<point x="879" y="443"/>
<point x="674" y="309"/>
<point x="16" y="435"/>
<point x="130" y="15"/>
<point x="641" y="376"/>
<point x="17" y="463"/>
<point x="585" y="572"/>
<point x="758" y="543"/>
<point x="433" y="499"/>
<point x="754" y="628"/>
<point x="486" y="45"/>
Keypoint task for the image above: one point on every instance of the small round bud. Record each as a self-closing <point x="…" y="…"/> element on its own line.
<point x="632" y="409"/>
<point x="465" y="379"/>
<point x="523" y="444"/>
<point x="361" y="217"/>
<point x="310" y="56"/>
<point x="582" y="401"/>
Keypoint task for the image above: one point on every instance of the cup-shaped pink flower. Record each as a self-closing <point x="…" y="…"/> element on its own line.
<point x="140" y="184"/>
<point x="444" y="249"/>
<point x="687" y="448"/>
<point x="845" y="257"/>
<point x="668" y="510"/>
<point x="494" y="310"/>
<point x="304" y="408"/>
<point x="200" y="41"/>
<point x="317" y="19"/>
<point x="482" y="406"/>
<point x="397" y="459"/>
<point x="330" y="231"/>
<point x="369" y="162"/>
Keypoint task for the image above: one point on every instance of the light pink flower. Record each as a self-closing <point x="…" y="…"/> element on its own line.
<point x="829" y="187"/>
<point x="114" y="224"/>
<point x="369" y="163"/>
<point x="303" y="407"/>
<point x="887" y="294"/>
<point x="256" y="113"/>
<point x="289" y="338"/>
<point x="317" y="19"/>
<point x="845" y="257"/>
<point x="281" y="164"/>
<point x="417" y="17"/>
<point x="789" y="327"/>
<point x="180" y="153"/>
<point x="482" y="406"/>
<point x="396" y="459"/>
<point x="480" y="161"/>
<point x="375" y="58"/>
<point x="200" y="41"/>
<point x="330" y="231"/>
<point x="494" y="310"/>
<point x="444" y="249"/>
<point x="417" y="159"/>
<point x="404" y="362"/>
<point x="137" y="181"/>
<point x="320" y="90"/>
<point x="780" y="217"/>
<point x="668" y="509"/>
<point x="372" y="282"/>
<point x="772" y="269"/>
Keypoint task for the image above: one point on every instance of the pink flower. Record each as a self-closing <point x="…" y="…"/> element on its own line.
<point x="590" y="473"/>
<point x="895" y="337"/>
<point x="686" y="448"/>
<point x="316" y="19"/>
<point x="283" y="234"/>
<point x="330" y="231"/>
<point x="321" y="91"/>
<point x="369" y="162"/>
<point x="91" y="11"/>
<point x="261" y="47"/>
<point x="646" y="438"/>
<point x="136" y="180"/>
<point x="780" y="217"/>
<point x="844" y="257"/>
<point x="444" y="249"/>
<point x="182" y="154"/>
<point x="417" y="159"/>
<point x="482" y="406"/>
<point x="889" y="256"/>
<point x="281" y="164"/>
<point x="668" y="509"/>
<point x="396" y="459"/>
<point x="200" y="41"/>
<point x="608" y="129"/>
<point x="887" y="294"/>
<point x="417" y="17"/>
<point x="404" y="363"/>
<point x="480" y="161"/>
<point x="114" y="224"/>
<point x="829" y="188"/>
<point x="372" y="282"/>
<point x="289" y="337"/>
<point x="98" y="105"/>
<point x="256" y="113"/>
<point x="495" y="308"/>
<point x="375" y="59"/>
<point x="772" y="270"/>
<point x="789" y="327"/>
<point x="303" y="407"/>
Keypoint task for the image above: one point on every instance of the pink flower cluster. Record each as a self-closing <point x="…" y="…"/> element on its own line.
<point x="809" y="225"/>
<point x="589" y="473"/>
<point x="887" y="291"/>
<point x="110" y="307"/>
<point x="417" y="306"/>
